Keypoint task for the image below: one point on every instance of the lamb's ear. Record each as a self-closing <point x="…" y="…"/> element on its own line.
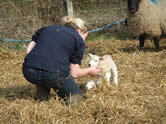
<point x="89" y="54"/>
<point x="101" y="58"/>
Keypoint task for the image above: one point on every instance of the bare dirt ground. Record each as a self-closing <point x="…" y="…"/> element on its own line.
<point x="140" y="97"/>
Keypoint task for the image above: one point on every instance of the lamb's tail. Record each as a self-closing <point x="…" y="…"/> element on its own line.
<point x="115" y="74"/>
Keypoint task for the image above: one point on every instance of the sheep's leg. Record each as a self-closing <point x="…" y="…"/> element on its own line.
<point x="107" y="77"/>
<point x="156" y="43"/>
<point x="142" y="40"/>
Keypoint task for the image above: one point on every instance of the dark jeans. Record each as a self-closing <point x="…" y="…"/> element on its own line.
<point x="64" y="86"/>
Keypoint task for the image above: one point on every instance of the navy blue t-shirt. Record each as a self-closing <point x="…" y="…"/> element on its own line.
<point x="56" y="48"/>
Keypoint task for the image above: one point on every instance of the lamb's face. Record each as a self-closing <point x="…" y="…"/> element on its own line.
<point x="94" y="60"/>
<point x="133" y="6"/>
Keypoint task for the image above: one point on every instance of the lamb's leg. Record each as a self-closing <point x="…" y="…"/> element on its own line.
<point x="115" y="74"/>
<point x="99" y="82"/>
<point x="156" y="43"/>
<point x="107" y="77"/>
<point x="142" y="40"/>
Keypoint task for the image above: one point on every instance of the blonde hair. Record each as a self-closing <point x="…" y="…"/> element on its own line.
<point x="76" y="23"/>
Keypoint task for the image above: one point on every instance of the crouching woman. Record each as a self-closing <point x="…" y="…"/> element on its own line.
<point x="54" y="57"/>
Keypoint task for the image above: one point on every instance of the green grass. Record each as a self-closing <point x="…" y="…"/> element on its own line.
<point x="108" y="36"/>
<point x="13" y="45"/>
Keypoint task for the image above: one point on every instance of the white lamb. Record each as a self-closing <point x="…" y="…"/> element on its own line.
<point x="107" y="66"/>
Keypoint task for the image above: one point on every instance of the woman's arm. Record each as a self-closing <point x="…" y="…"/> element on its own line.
<point x="77" y="72"/>
<point x="30" y="47"/>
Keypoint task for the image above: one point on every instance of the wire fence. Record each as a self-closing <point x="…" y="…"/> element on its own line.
<point x="20" y="20"/>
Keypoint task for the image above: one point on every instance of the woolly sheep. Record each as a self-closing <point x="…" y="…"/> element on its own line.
<point x="147" y="18"/>
<point x="107" y="66"/>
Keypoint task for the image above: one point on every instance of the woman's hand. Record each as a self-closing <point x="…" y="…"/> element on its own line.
<point x="77" y="72"/>
<point x="94" y="70"/>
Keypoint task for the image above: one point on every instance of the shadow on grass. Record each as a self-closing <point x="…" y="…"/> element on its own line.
<point x="25" y="92"/>
<point x="137" y="49"/>
<point x="18" y="92"/>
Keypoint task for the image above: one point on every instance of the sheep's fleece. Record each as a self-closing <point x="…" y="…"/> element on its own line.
<point x="149" y="19"/>
<point x="107" y="65"/>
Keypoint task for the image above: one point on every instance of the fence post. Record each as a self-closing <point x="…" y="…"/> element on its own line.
<point x="68" y="5"/>
<point x="70" y="8"/>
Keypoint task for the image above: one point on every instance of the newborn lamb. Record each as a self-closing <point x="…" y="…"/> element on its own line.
<point x="107" y="66"/>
